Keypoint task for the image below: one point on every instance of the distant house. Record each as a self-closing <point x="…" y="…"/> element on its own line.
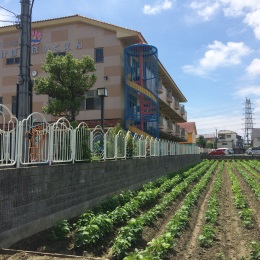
<point x="229" y="139"/>
<point x="256" y="136"/>
<point x="190" y="128"/>
<point x="210" y="138"/>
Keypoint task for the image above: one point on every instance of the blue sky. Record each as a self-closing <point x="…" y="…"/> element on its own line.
<point x="211" y="48"/>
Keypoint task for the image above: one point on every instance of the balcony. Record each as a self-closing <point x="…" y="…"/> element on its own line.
<point x="176" y="104"/>
<point x="170" y="129"/>
<point x="161" y="123"/>
<point x="169" y="98"/>
<point x="160" y="87"/>
<point x="178" y="131"/>
<point x="183" y="133"/>
<point x="182" y="110"/>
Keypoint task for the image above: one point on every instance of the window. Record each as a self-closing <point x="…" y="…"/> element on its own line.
<point x="93" y="101"/>
<point x="224" y="143"/>
<point x="14" y="105"/>
<point x="10" y="61"/>
<point x="228" y="136"/>
<point x="133" y="104"/>
<point x="99" y="55"/>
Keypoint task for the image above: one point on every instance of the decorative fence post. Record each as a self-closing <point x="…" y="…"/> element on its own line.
<point x="35" y="141"/>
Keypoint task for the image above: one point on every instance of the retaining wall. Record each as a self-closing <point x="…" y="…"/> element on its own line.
<point x="33" y="199"/>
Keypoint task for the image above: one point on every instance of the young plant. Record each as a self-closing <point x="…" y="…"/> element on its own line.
<point x="61" y="230"/>
<point x="208" y="235"/>
<point x="255" y="250"/>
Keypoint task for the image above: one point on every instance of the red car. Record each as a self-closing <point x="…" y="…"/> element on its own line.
<point x="218" y="151"/>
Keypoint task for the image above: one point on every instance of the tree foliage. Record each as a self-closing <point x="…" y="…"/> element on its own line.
<point x="66" y="84"/>
<point x="201" y="142"/>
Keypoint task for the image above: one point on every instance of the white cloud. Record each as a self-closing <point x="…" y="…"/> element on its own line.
<point x="249" y="9"/>
<point x="218" y="55"/>
<point x="205" y="9"/>
<point x="253" y="69"/>
<point x="239" y="7"/>
<point x="157" y="7"/>
<point x="248" y="91"/>
<point x="253" y="20"/>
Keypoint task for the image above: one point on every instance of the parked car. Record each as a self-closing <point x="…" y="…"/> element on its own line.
<point x="254" y="151"/>
<point x="226" y="150"/>
<point x="248" y="151"/>
<point x="219" y="151"/>
<point x="230" y="150"/>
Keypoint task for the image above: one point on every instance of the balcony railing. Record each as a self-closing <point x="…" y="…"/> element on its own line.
<point x="182" y="110"/>
<point x="178" y="130"/>
<point x="161" y="122"/>
<point x="170" y="127"/>
<point x="169" y="96"/>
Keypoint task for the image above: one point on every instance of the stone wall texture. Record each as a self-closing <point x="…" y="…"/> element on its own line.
<point x="33" y="199"/>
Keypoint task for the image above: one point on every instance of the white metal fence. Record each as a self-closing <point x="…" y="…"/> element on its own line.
<point x="35" y="141"/>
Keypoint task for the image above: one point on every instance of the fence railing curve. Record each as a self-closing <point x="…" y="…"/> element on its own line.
<point x="36" y="141"/>
<point x="8" y="137"/>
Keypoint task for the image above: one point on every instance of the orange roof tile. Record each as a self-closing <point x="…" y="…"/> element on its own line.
<point x="190" y="127"/>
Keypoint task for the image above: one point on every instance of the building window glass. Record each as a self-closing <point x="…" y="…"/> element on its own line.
<point x="14" y="105"/>
<point x="10" y="61"/>
<point x="99" y="55"/>
<point x="93" y="101"/>
<point x="133" y="101"/>
<point x="228" y="136"/>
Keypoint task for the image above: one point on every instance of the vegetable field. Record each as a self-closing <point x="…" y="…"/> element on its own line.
<point x="210" y="211"/>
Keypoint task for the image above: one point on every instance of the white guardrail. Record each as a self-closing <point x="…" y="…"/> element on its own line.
<point x="35" y="141"/>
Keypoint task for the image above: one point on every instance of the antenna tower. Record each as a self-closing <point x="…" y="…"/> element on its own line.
<point x="248" y="123"/>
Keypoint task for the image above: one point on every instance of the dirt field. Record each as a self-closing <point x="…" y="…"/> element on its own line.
<point x="232" y="241"/>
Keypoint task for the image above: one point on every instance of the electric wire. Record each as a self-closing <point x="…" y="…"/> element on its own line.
<point x="16" y="15"/>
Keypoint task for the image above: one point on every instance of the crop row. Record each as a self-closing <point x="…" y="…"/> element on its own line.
<point x="240" y="202"/>
<point x="250" y="181"/>
<point x="255" y="164"/>
<point x="208" y="233"/>
<point x="130" y="233"/>
<point x="159" y="247"/>
<point x="251" y="167"/>
<point x="92" y="228"/>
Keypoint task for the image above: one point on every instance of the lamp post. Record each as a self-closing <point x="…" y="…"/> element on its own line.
<point x="102" y="92"/>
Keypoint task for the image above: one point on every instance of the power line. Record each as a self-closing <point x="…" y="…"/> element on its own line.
<point x="16" y="15"/>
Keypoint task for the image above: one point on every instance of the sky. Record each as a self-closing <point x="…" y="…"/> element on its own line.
<point x="210" y="48"/>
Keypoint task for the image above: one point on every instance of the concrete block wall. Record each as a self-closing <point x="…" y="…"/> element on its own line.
<point x="33" y="199"/>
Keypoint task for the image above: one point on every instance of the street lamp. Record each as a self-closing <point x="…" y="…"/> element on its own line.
<point x="102" y="92"/>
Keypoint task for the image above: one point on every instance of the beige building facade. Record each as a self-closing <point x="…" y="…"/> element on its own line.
<point x="105" y="43"/>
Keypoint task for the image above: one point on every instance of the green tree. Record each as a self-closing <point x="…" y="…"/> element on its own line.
<point x="201" y="141"/>
<point x="210" y="145"/>
<point x="66" y="84"/>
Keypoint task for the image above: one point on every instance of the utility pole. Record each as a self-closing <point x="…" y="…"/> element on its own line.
<point x="24" y="85"/>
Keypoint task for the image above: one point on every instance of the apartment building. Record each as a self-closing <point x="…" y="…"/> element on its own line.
<point x="142" y="96"/>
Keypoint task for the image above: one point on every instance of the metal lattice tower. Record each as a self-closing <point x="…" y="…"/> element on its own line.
<point x="248" y="123"/>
